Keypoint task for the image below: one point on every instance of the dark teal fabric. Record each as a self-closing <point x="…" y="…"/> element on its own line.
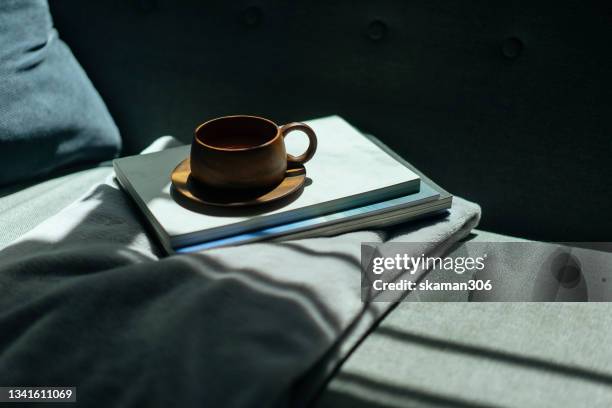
<point x="50" y="114"/>
<point x="508" y="104"/>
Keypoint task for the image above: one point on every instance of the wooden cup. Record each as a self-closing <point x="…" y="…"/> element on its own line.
<point x="244" y="152"/>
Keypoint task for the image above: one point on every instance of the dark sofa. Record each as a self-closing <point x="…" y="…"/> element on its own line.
<point x="507" y="104"/>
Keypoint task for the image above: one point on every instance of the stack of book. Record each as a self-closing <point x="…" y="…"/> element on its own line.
<point x="354" y="182"/>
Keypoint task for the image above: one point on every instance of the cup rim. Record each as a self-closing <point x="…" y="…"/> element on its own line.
<point x="238" y="149"/>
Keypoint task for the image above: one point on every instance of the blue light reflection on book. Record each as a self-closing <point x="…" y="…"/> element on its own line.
<point x="425" y="193"/>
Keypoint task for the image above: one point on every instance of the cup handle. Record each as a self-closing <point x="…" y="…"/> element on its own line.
<point x="312" y="138"/>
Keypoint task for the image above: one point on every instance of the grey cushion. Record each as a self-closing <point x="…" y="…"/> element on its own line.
<point x="430" y="354"/>
<point x="481" y="355"/>
<point x="50" y="114"/>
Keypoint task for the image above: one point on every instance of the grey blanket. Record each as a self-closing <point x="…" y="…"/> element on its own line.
<point x="87" y="301"/>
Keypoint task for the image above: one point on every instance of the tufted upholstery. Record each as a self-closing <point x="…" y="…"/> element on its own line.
<point x="506" y="103"/>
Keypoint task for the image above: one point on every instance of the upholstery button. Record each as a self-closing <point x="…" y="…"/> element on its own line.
<point x="252" y="16"/>
<point x="567" y="270"/>
<point x="377" y="30"/>
<point x="512" y="48"/>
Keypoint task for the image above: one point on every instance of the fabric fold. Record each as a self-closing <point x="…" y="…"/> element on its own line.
<point x="88" y="302"/>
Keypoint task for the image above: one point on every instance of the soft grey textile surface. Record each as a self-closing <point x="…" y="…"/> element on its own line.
<point x="85" y="301"/>
<point x="481" y="355"/>
<point x="438" y="354"/>
<point x="51" y="116"/>
<point x="22" y="207"/>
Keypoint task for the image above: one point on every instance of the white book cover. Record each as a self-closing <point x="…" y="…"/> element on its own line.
<point x="348" y="171"/>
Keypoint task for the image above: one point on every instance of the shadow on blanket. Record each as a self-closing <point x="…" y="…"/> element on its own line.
<point x="90" y="307"/>
<point x="87" y="301"/>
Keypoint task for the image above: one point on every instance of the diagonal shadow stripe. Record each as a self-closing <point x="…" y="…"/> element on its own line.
<point x="482" y="352"/>
<point x="349" y="259"/>
<point x="307" y="294"/>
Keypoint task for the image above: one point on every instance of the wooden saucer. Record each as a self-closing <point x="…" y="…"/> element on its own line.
<point x="189" y="188"/>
